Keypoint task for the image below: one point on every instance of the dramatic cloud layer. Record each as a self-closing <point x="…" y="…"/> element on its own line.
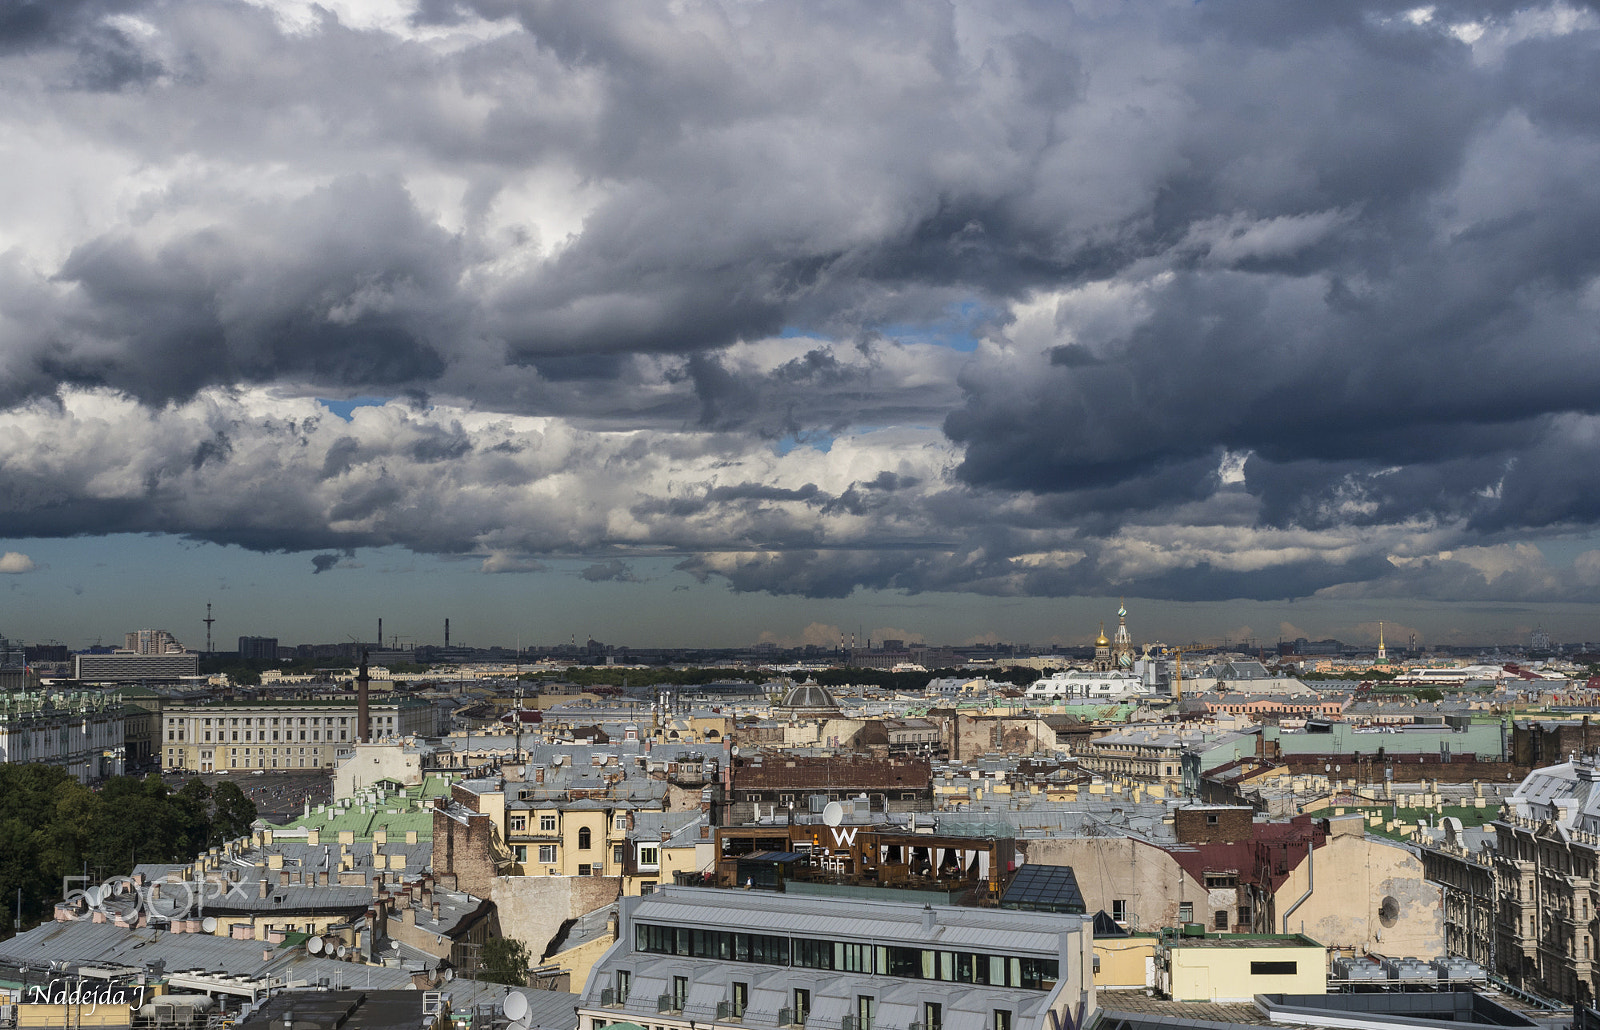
<point x="1181" y="301"/>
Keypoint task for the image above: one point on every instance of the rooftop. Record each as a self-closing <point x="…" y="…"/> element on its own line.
<point x="1006" y="931"/>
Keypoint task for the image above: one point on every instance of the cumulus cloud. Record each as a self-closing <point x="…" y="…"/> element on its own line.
<point x="14" y="563"/>
<point x="1013" y="300"/>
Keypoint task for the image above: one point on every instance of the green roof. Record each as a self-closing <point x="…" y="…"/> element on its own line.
<point x="412" y="812"/>
<point x="133" y="691"/>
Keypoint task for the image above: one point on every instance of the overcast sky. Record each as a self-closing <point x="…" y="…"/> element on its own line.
<point x="703" y="321"/>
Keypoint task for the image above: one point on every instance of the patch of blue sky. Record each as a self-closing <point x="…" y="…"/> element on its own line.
<point x="959" y="329"/>
<point x="817" y="441"/>
<point x="345" y="409"/>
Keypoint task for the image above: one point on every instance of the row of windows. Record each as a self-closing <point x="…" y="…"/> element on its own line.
<point x="263" y="721"/>
<point x="547" y="854"/>
<point x="247" y="751"/>
<point x="724" y="944"/>
<point x="884" y="960"/>
<point x="315" y="735"/>
<point x="547" y="823"/>
<point x="799" y="1009"/>
<point x="261" y="763"/>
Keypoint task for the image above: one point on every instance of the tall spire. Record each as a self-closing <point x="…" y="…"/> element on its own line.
<point x="1122" y="644"/>
<point x="1383" y="653"/>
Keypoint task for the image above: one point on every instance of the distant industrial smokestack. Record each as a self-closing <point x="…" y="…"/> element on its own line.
<point x="362" y="719"/>
<point x="447" y="633"/>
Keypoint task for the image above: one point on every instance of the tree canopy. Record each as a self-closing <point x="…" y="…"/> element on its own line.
<point x="505" y="961"/>
<point x="53" y="827"/>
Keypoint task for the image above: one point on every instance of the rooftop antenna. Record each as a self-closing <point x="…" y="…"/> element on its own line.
<point x="208" y="620"/>
<point x="519" y="723"/>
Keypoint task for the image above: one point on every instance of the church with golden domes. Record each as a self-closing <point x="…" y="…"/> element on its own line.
<point x="1114" y="654"/>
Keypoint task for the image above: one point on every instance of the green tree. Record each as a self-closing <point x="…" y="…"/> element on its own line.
<point x="505" y="961"/>
<point x="234" y="813"/>
<point x="192" y="816"/>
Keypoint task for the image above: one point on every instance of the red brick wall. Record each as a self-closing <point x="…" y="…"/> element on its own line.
<point x="463" y="856"/>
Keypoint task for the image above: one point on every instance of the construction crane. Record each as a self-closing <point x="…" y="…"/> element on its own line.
<point x="1177" y="668"/>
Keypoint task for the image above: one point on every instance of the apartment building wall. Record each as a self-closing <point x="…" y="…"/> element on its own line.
<point x="1136" y="883"/>
<point x="266" y="735"/>
<point x="1467" y="881"/>
<point x="572" y="839"/>
<point x="1368" y="894"/>
<point x="370" y="763"/>
<point x="1549" y="908"/>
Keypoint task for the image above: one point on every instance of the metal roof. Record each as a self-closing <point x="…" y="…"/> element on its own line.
<point x="875" y="921"/>
<point x="102" y="944"/>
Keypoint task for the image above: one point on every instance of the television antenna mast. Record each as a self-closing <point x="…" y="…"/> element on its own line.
<point x="208" y="620"/>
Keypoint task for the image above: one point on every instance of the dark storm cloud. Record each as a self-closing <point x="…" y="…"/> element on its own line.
<point x="1206" y="300"/>
<point x="109" y="60"/>
<point x="34" y="23"/>
<point x="338" y="287"/>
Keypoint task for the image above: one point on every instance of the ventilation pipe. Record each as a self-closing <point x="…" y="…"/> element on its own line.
<point x="1311" y="881"/>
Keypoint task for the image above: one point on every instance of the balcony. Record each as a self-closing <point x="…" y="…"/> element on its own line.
<point x="667" y="1003"/>
<point x="727" y="1013"/>
<point x="612" y="997"/>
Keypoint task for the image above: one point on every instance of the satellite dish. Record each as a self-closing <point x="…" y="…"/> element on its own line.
<point x="520" y="1024"/>
<point x="93" y="895"/>
<point x="343" y="951"/>
<point x="314" y="945"/>
<point x="394" y="945"/>
<point x="833" y="814"/>
<point x="515" y="1006"/>
<point x="209" y="924"/>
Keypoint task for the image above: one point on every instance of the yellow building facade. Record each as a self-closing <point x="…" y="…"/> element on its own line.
<point x="266" y="735"/>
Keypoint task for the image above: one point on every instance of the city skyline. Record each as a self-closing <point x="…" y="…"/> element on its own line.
<point x="720" y="320"/>
<point x="171" y="582"/>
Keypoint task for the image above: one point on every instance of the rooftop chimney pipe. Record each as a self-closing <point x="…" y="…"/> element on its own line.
<point x="361" y="696"/>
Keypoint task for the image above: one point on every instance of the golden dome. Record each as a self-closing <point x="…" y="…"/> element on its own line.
<point x="1101" y="640"/>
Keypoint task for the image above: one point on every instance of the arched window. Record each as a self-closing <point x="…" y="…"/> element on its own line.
<point x="583" y="838"/>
